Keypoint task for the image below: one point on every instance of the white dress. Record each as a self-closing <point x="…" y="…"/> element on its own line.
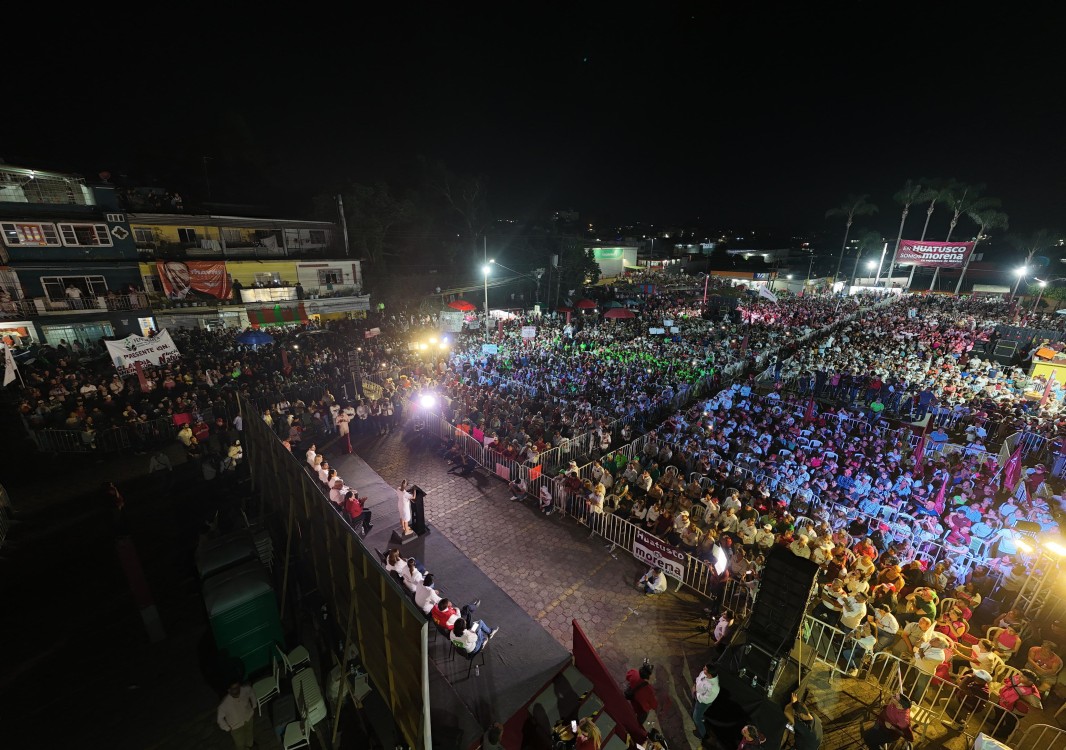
<point x="403" y="503"/>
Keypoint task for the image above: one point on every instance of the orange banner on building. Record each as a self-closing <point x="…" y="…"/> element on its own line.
<point x="181" y="279"/>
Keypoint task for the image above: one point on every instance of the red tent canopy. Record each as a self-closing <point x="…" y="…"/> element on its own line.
<point x="585" y="304"/>
<point x="564" y="309"/>
<point x="462" y="305"/>
<point x="619" y="312"/>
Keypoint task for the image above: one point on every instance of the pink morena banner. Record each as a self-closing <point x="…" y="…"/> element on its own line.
<point x="933" y="254"/>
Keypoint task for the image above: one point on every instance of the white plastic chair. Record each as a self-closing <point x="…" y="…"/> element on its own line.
<point x="298" y="733"/>
<point x="268" y="687"/>
<point x="295" y="658"/>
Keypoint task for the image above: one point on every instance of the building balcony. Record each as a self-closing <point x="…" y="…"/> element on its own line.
<point x="239" y="250"/>
<point x="20" y="309"/>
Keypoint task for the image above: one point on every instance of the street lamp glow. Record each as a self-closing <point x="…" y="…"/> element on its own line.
<point x="789" y="277"/>
<point x="1021" y="271"/>
<point x="1041" y="283"/>
<point x="486" y="270"/>
<point x="871" y="264"/>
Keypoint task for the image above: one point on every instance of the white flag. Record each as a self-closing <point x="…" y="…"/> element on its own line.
<point x="10" y="368"/>
<point x="764" y="292"/>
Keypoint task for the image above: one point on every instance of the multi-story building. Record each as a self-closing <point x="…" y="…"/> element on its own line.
<point x="69" y="268"/>
<point x="81" y="262"/>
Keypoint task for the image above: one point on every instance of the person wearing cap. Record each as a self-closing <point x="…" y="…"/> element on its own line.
<point x="973" y="689"/>
<point x="1045" y="663"/>
<point x="764" y="537"/>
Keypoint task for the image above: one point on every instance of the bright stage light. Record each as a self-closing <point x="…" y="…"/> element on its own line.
<point x="719" y="560"/>
<point x="427" y="400"/>
<point x="1055" y="547"/>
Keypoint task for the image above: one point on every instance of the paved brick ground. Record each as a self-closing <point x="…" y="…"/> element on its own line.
<point x="551" y="568"/>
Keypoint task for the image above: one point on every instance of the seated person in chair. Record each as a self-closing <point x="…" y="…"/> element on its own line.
<point x="445" y="614"/>
<point x="470" y="639"/>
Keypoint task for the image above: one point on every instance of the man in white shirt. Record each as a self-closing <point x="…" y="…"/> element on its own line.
<point x="853" y="612"/>
<point x="704" y="692"/>
<point x="236" y="713"/>
<point x="311" y="453"/>
<point x="927" y="657"/>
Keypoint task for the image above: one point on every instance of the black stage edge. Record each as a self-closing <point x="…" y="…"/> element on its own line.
<point x="519" y="661"/>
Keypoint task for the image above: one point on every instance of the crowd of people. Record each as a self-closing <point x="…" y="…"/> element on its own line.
<point x="803" y="459"/>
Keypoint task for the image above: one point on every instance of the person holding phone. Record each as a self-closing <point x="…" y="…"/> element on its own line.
<point x="804" y="725"/>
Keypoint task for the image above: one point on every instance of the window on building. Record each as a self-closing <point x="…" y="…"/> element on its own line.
<point x="232" y="236"/>
<point x="186" y="235"/>
<point x="317" y="237"/>
<point x="268" y="279"/>
<point x="85" y="235"/>
<point x="28" y="234"/>
<point x="152" y="284"/>
<point x="55" y="287"/>
<point x="86" y="334"/>
<point x="330" y="276"/>
<point x="143" y="236"/>
<point x="115" y="218"/>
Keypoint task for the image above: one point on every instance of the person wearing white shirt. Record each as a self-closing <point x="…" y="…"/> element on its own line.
<point x="653" y="582"/>
<point x="887" y="627"/>
<point x="311" y="453"/>
<point x="704" y="693"/>
<point x="426" y="597"/>
<point x="927" y="657"/>
<point x="236" y="714"/>
<point x="853" y="611"/>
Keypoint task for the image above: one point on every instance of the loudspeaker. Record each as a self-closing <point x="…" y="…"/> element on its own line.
<point x="785" y="590"/>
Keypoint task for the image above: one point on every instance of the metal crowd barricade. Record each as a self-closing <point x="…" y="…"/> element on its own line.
<point x="826" y="642"/>
<point x="937" y="699"/>
<point x="1039" y="737"/>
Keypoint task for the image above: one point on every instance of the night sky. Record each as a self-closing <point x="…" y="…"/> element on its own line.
<point x="726" y="116"/>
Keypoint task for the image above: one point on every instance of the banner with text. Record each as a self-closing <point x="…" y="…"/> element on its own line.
<point x="658" y="554"/>
<point x="933" y="254"/>
<point x="134" y="349"/>
<point x="181" y="279"/>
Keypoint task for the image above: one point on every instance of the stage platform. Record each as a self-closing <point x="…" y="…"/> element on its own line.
<point x="519" y="661"/>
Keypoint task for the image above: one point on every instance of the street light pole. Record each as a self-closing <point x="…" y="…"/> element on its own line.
<point x="1036" y="304"/>
<point x="1020" y="273"/>
<point x="485" y="273"/>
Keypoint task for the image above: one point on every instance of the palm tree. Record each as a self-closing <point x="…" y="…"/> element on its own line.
<point x="939" y="190"/>
<point x="853" y="205"/>
<point x="985" y="219"/>
<point x="963" y="199"/>
<point x="912" y="192"/>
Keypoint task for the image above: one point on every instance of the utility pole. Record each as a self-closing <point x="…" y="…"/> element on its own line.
<point x="344" y="223"/>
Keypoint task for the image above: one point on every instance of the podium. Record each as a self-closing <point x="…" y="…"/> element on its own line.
<point x="418" y="518"/>
<point x="418" y="511"/>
